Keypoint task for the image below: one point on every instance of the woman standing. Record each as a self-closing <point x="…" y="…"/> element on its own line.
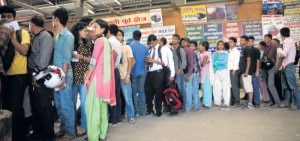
<point x="222" y="84"/>
<point x="100" y="74"/>
<point x="206" y="75"/>
<point x="82" y="50"/>
<point x="262" y="79"/>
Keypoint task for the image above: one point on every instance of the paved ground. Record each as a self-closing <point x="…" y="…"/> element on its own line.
<point x="263" y="124"/>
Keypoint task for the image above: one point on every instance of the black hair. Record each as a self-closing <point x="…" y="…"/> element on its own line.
<point x="219" y="43"/>
<point x="277" y="41"/>
<point x="226" y="46"/>
<point x="205" y="44"/>
<point x="177" y="36"/>
<point x="233" y="39"/>
<point x="262" y="43"/>
<point x="8" y="9"/>
<point x="62" y="14"/>
<point x="122" y="32"/>
<point x="152" y="37"/>
<point x="86" y="20"/>
<point x="75" y="31"/>
<point x="245" y="37"/>
<point x="269" y="35"/>
<point x="113" y="29"/>
<point x="38" y="21"/>
<point x="252" y="38"/>
<point x="164" y="40"/>
<point x="195" y="43"/>
<point x="285" y="32"/>
<point x="103" y="24"/>
<point x="137" y="35"/>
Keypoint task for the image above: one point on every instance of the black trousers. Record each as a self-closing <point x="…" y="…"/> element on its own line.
<point x="42" y="111"/>
<point x="115" y="111"/>
<point x="13" y="88"/>
<point x="154" y="86"/>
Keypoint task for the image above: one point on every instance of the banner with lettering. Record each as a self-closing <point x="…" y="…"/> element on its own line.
<point x="193" y="14"/>
<point x="232" y="29"/>
<point x="164" y="31"/>
<point x="216" y="12"/>
<point x="128" y="30"/>
<point x="272" y="1"/>
<point x="272" y="24"/>
<point x="194" y="32"/>
<point x="253" y="28"/>
<point x="291" y="1"/>
<point x="134" y="19"/>
<point x="212" y="34"/>
<point x="292" y="10"/>
<point x="156" y="17"/>
<point x="294" y="25"/>
<point x="231" y="12"/>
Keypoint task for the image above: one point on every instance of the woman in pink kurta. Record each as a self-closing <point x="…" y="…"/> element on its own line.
<point x="100" y="84"/>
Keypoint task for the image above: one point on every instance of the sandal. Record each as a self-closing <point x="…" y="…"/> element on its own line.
<point x="81" y="132"/>
<point x="131" y="121"/>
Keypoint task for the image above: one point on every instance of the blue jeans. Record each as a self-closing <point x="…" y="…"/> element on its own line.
<point x="138" y="92"/>
<point x="127" y="93"/>
<point x="64" y="102"/>
<point x="82" y="93"/>
<point x="181" y="87"/>
<point x="191" y="88"/>
<point x="289" y="85"/>
<point x="256" y="94"/>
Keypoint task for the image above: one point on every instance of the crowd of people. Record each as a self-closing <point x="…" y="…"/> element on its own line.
<point x="110" y="76"/>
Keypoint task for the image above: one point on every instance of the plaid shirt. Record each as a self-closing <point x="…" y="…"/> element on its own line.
<point x="4" y="39"/>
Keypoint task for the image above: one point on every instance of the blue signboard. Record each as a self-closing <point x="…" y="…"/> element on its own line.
<point x="212" y="34"/>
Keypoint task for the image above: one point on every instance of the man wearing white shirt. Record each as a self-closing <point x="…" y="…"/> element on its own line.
<point x="233" y="66"/>
<point x="155" y="76"/>
<point x="115" y="111"/>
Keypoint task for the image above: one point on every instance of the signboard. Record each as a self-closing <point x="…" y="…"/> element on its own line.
<point x="272" y="24"/>
<point x="231" y="12"/>
<point x="128" y="30"/>
<point x="216" y="12"/>
<point x="193" y="14"/>
<point x="292" y="10"/>
<point x="134" y="19"/>
<point x="232" y="29"/>
<point x="293" y="24"/>
<point x="212" y="34"/>
<point x="272" y="1"/>
<point x="253" y="28"/>
<point x="156" y="17"/>
<point x="194" y="32"/>
<point x="291" y="1"/>
<point x="164" y="31"/>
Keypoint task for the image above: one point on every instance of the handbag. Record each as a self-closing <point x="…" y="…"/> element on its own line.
<point x="267" y="63"/>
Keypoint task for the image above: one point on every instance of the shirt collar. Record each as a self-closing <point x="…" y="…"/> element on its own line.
<point x="63" y="32"/>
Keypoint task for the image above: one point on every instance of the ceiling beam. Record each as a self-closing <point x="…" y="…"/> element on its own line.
<point x="111" y="9"/>
<point x="30" y="7"/>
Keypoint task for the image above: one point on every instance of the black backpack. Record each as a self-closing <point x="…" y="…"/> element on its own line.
<point x="8" y="58"/>
<point x="186" y="69"/>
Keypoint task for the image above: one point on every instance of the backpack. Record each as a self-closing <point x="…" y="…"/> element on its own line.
<point x="9" y="55"/>
<point x="172" y="96"/>
<point x="186" y="69"/>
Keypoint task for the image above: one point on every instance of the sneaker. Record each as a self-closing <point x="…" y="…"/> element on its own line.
<point x="269" y="104"/>
<point x="225" y="108"/>
<point x="235" y="106"/>
<point x="120" y="122"/>
<point x="283" y="106"/>
<point x="137" y="115"/>
<point x="257" y="105"/>
<point x="195" y="109"/>
<point x="59" y="134"/>
<point x="274" y="106"/>
<point x="158" y="113"/>
<point x="248" y="106"/>
<point x="173" y="114"/>
<point x="112" y="124"/>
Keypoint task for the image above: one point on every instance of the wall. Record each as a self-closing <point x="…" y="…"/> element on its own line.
<point x="251" y="9"/>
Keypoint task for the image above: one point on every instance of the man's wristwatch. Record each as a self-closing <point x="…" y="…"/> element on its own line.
<point x="128" y="76"/>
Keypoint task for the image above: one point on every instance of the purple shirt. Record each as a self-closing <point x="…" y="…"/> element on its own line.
<point x="271" y="51"/>
<point x="190" y="60"/>
<point x="289" y="52"/>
